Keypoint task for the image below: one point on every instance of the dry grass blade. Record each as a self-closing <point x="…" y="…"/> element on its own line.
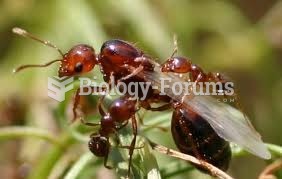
<point x="213" y="170"/>
<point x="268" y="172"/>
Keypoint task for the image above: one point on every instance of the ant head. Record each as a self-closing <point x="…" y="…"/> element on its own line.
<point x="177" y="65"/>
<point x="80" y="59"/>
<point x="99" y="146"/>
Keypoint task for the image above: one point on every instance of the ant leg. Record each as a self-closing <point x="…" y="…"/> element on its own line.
<point x="132" y="145"/>
<point x="125" y="146"/>
<point x="122" y="126"/>
<point x="134" y="73"/>
<point x="217" y="77"/>
<point x="77" y="101"/>
<point x="100" y="106"/>
<point x="105" y="162"/>
<point x="89" y="123"/>
<point x="163" y="129"/>
<point x="190" y="95"/>
<point x="106" y="158"/>
<point x="101" y="111"/>
<point x="75" y="104"/>
<point x="147" y="106"/>
<point x="200" y="76"/>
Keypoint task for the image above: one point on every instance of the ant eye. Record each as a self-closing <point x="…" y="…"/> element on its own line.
<point x="78" y="67"/>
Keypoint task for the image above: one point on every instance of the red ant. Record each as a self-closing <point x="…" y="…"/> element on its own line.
<point x="119" y="113"/>
<point x="198" y="130"/>
<point x="190" y="119"/>
<point x="191" y="133"/>
<point x="117" y="58"/>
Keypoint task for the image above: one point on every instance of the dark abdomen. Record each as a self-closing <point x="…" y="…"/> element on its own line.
<point x="193" y="135"/>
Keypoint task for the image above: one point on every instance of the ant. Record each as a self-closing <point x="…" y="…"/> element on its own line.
<point x="191" y="133"/>
<point x="182" y="65"/>
<point x="119" y="113"/>
<point x="195" y="124"/>
<point x="118" y="59"/>
<point x="205" y="133"/>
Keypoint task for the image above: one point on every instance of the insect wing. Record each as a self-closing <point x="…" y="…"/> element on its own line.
<point x="228" y="122"/>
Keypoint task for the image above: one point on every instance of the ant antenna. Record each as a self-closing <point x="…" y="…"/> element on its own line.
<point x="175" y="45"/>
<point x="26" y="34"/>
<point x="30" y="66"/>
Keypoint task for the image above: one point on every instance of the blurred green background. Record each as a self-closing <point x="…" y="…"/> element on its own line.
<point x="240" y="38"/>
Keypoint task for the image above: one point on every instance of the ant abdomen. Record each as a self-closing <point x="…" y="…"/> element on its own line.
<point x="193" y="135"/>
<point x="99" y="146"/>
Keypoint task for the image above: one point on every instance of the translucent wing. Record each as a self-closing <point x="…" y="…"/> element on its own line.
<point x="228" y="122"/>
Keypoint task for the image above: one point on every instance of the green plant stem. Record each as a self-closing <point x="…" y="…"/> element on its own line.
<point x="48" y="161"/>
<point x="22" y="132"/>
<point x="79" y="165"/>
<point x="275" y="149"/>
